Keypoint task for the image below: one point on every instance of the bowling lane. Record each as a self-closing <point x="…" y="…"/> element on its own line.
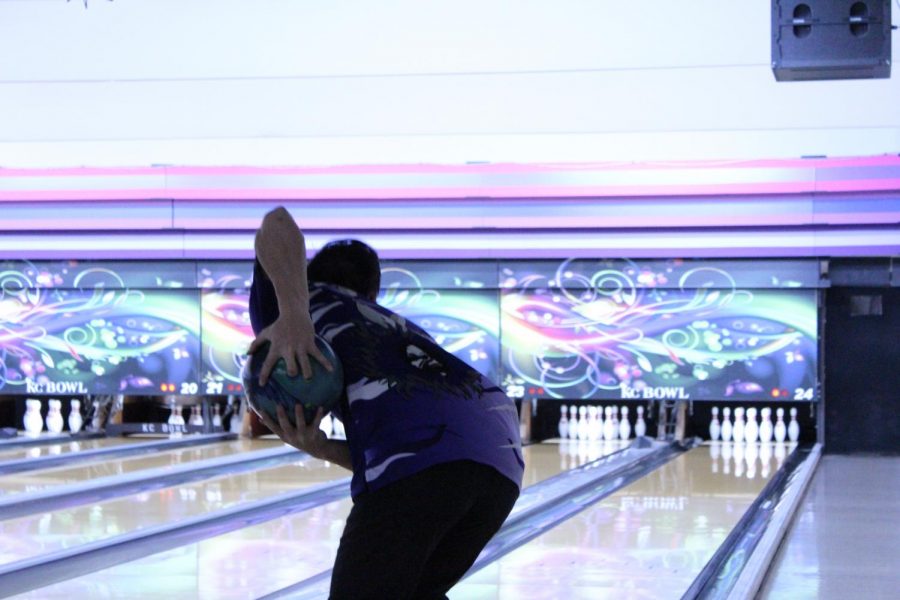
<point x="30" y="536"/>
<point x="649" y="540"/>
<point x="258" y="560"/>
<point x="33" y="481"/>
<point x="844" y="540"/>
<point x="66" y="447"/>
<point x="541" y="462"/>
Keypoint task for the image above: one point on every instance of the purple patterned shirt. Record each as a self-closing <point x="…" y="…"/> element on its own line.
<point x="409" y="404"/>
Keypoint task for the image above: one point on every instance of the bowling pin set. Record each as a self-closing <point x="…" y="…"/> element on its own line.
<point x="747" y="445"/>
<point x="34" y="423"/>
<point x="749" y="430"/>
<point x="746" y="459"/>
<point x="595" y="423"/>
<point x="176" y="416"/>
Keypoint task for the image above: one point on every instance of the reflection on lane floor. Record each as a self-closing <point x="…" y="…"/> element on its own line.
<point x="31" y="536"/>
<point x="649" y="540"/>
<point x="258" y="560"/>
<point x="33" y="481"/>
<point x="64" y="447"/>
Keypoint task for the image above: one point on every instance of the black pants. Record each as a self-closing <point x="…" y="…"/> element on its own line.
<point x="417" y="537"/>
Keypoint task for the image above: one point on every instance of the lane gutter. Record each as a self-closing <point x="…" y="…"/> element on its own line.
<point x="737" y="568"/>
<point x="13" y="506"/>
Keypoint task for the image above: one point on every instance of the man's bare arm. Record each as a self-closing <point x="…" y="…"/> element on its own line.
<point x="281" y="250"/>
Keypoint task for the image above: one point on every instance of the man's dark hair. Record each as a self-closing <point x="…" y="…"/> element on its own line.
<point x="348" y="263"/>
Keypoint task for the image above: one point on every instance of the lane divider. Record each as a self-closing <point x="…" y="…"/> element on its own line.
<point x="26" y="575"/>
<point x="757" y="566"/>
<point x="47" y="462"/>
<point x="21" y="441"/>
<point x="106" y="488"/>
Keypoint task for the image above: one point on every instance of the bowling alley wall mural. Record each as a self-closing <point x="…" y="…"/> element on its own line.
<point x="658" y="330"/>
<point x="225" y="323"/>
<point x="612" y="329"/>
<point x="71" y="328"/>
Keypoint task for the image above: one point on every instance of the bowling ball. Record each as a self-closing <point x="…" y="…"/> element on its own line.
<point x="324" y="389"/>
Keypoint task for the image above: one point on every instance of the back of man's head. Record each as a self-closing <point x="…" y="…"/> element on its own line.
<point x="348" y="263"/>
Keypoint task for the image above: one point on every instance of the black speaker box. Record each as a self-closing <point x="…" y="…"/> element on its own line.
<point x="831" y="39"/>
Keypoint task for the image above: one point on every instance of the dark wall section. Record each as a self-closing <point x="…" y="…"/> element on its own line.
<point x="862" y="370"/>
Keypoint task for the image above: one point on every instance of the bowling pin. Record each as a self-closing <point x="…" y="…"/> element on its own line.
<point x="196" y="416"/>
<point x="780" y="428"/>
<point x="96" y="415"/>
<point x="751" y="429"/>
<point x="793" y="429"/>
<point x="584" y="428"/>
<point x="237" y="414"/>
<point x="32" y="421"/>
<point x="563" y="427"/>
<point x="765" y="428"/>
<point x="714" y="428"/>
<point x="737" y="430"/>
<point x="726" y="425"/>
<point x="640" y="427"/>
<point x="609" y="431"/>
<point x="624" y="425"/>
<point x="573" y="422"/>
<point x="217" y="416"/>
<point x="595" y="425"/>
<point x="75" y="419"/>
<point x="615" y="427"/>
<point x="54" y="416"/>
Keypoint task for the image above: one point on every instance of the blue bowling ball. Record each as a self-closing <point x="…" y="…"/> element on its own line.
<point x="324" y="389"/>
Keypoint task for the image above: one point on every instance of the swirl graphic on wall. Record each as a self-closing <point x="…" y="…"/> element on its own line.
<point x="628" y="333"/>
<point x="100" y="338"/>
<point x="226" y="336"/>
<point x="465" y="321"/>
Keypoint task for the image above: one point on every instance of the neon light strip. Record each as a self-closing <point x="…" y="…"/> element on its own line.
<point x="883" y="240"/>
<point x="225" y="184"/>
<point x="556" y="213"/>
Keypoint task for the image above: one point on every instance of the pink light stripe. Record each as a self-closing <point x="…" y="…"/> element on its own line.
<point x="779" y="177"/>
<point x="261" y="194"/>
<point x="496" y="192"/>
<point x="812" y="163"/>
<point x="83" y="195"/>
<point x="82" y="172"/>
<point x="514" y="222"/>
